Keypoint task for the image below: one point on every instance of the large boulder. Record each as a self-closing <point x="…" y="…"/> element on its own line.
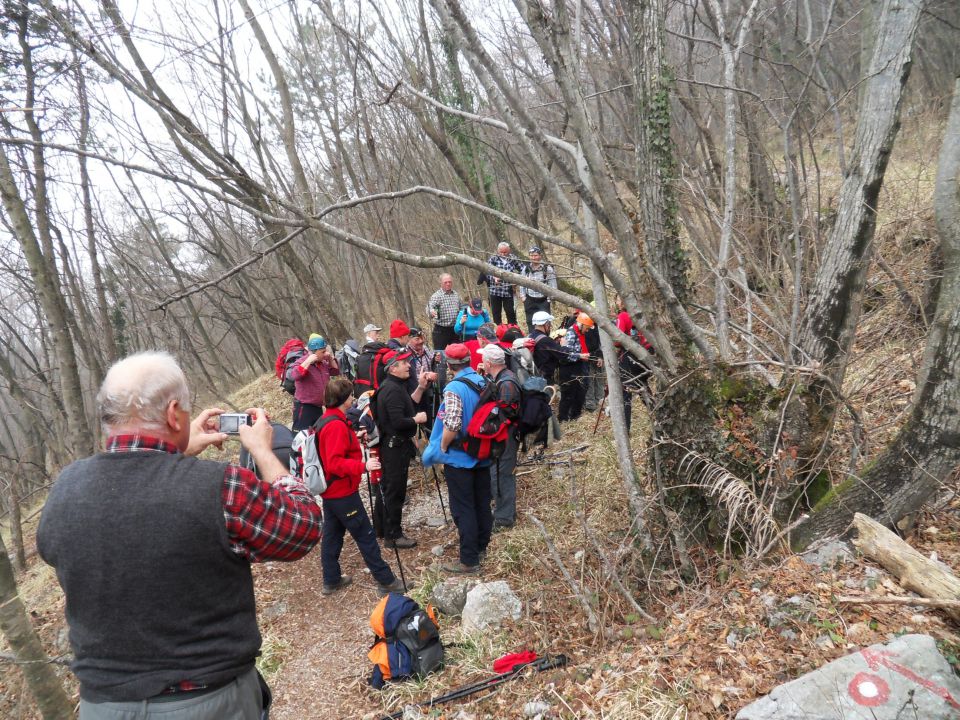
<point x="907" y="677"/>
<point x="450" y="596"/>
<point x="490" y="604"/>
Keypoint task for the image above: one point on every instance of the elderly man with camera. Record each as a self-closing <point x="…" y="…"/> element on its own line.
<point x="153" y="547"/>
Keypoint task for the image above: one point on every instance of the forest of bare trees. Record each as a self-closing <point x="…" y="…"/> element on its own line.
<point x="213" y="178"/>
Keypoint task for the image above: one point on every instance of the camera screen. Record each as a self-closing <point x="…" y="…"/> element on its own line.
<point x="230" y="423"/>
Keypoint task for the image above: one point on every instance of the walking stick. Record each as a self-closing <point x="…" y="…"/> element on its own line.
<point x="396" y="550"/>
<point x="596" y="425"/>
<point x="436" y="479"/>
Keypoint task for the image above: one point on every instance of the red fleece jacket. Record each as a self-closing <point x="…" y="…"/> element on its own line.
<point x="341" y="456"/>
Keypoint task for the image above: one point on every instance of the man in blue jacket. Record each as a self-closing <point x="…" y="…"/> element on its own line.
<point x="468" y="479"/>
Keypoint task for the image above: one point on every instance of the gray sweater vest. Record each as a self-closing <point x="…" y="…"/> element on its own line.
<point x="154" y="593"/>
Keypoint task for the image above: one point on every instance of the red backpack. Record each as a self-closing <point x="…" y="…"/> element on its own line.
<point x="489" y="428"/>
<point x="292" y="352"/>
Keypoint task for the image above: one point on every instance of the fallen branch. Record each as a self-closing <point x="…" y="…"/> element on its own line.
<point x="14" y="660"/>
<point x="914" y="571"/>
<point x="592" y="622"/>
<point x="897" y="600"/>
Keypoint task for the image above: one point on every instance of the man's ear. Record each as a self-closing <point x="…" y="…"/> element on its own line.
<point x="172" y="416"/>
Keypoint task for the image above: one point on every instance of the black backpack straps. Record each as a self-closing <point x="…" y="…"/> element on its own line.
<point x="469" y="383"/>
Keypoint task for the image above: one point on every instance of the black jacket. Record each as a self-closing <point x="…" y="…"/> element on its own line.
<point x="395" y="410"/>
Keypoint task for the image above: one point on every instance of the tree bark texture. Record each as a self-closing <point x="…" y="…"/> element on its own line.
<point x="833" y="310"/>
<point x="43" y="682"/>
<point x="927" y="448"/>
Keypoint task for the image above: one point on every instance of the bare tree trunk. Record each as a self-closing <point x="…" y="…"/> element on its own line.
<point x="15" y="622"/>
<point x="833" y="311"/>
<point x="927" y="448"/>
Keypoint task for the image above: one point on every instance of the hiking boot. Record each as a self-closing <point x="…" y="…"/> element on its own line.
<point x="402" y="542"/>
<point x="396" y="586"/>
<point x="331" y="589"/>
<point x="459" y="568"/>
<point x="500" y="526"/>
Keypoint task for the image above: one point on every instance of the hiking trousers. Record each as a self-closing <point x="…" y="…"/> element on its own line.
<point x="341" y="515"/>
<point x="469" y="493"/>
<point x="596" y="384"/>
<point x="244" y="698"/>
<point x="503" y="484"/>
<point x="532" y="305"/>
<point x="388" y="504"/>
<point x="443" y="335"/>
<point x="500" y="304"/>
<point x="573" y="390"/>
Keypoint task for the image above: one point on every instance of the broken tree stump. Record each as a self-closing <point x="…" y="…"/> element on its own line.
<point x="914" y="571"/>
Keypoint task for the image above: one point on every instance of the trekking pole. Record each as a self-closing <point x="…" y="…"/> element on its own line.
<point x="540" y="665"/>
<point x="436" y="479"/>
<point x="396" y="550"/>
<point x="596" y="425"/>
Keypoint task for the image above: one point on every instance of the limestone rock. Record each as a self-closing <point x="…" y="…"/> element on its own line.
<point x="490" y="604"/>
<point x="906" y="677"/>
<point x="831" y="554"/>
<point x="450" y="596"/>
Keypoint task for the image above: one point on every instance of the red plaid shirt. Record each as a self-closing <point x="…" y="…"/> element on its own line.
<point x="278" y="521"/>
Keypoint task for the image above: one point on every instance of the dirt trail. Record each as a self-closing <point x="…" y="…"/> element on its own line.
<point x="323" y="641"/>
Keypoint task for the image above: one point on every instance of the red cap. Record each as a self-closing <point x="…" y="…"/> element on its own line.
<point x="457" y="352"/>
<point x="398" y="328"/>
<point x="396" y="356"/>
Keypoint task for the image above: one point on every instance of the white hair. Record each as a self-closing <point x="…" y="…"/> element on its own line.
<point x="502" y="245"/>
<point x="137" y="390"/>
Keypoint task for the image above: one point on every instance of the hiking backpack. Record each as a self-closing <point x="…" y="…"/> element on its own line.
<point x="282" y="440"/>
<point x="490" y="427"/>
<point x="347" y="357"/>
<point x="407" y="642"/>
<point x="305" y="456"/>
<point x="370" y="367"/>
<point x="292" y="352"/>
<point x="523" y="354"/>
<point x="535" y="411"/>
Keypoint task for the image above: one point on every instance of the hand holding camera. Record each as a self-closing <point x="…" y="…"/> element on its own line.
<point x="205" y="431"/>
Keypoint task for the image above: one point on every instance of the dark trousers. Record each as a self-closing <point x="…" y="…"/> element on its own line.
<point x="498" y="305"/>
<point x="532" y="305"/>
<point x="348" y="514"/>
<point x="393" y="484"/>
<point x="469" y="493"/>
<point x="573" y="391"/>
<point x="305" y="415"/>
<point x="442" y="336"/>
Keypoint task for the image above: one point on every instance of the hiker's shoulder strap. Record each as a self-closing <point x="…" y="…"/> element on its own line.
<point x="321" y="423"/>
<point x="469" y="383"/>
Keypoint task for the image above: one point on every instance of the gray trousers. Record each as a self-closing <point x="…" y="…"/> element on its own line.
<point x="241" y="699"/>
<point x="503" y="484"/>
<point x="596" y="383"/>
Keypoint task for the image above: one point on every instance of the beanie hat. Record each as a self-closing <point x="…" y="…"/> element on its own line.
<point x="316" y="342"/>
<point x="398" y="328"/>
<point x="585" y="320"/>
<point x="457" y="354"/>
<point x="493" y="354"/>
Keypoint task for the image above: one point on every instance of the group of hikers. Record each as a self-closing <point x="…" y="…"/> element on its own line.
<point x="153" y="546"/>
<point x="403" y="399"/>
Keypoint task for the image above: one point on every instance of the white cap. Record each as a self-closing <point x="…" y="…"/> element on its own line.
<point x="493" y="354"/>
<point x="541" y="318"/>
<point x="370" y="327"/>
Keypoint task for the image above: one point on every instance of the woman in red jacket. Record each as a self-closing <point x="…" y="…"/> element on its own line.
<point x="343" y="510"/>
